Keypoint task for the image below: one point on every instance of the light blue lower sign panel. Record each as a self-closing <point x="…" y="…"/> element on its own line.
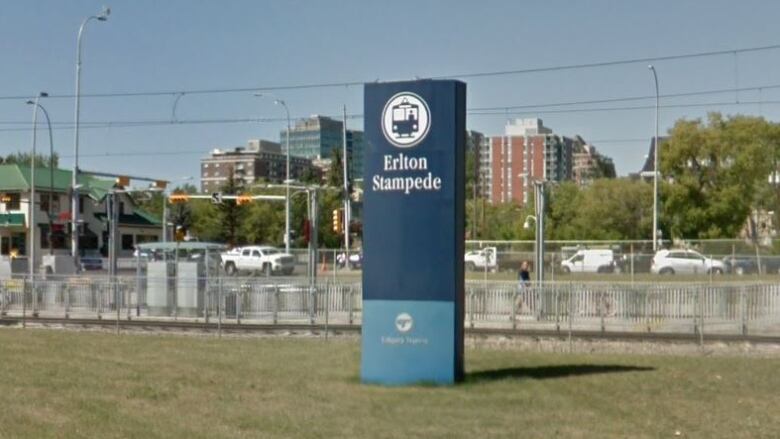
<point x="408" y="342"/>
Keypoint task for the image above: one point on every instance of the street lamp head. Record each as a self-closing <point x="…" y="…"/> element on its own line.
<point x="30" y="103"/>
<point x="278" y="102"/>
<point x="103" y="16"/>
<point x="43" y="94"/>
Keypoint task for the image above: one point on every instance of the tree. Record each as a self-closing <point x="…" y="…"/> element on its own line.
<point x="614" y="209"/>
<point x="713" y="172"/>
<point x="335" y="177"/>
<point x="230" y="213"/>
<point x="24" y="158"/>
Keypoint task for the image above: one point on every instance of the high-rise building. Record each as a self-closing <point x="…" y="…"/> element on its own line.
<point x="261" y="159"/>
<point x="527" y="152"/>
<point x="317" y="137"/>
<point x="589" y="164"/>
<point x="475" y="144"/>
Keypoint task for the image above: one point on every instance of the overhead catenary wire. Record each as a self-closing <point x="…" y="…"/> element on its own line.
<point x="502" y="113"/>
<point x="347" y="84"/>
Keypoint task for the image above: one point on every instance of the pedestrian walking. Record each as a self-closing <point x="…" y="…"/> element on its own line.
<point x="524" y="282"/>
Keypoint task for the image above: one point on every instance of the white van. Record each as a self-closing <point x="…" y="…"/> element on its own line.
<point x="590" y="261"/>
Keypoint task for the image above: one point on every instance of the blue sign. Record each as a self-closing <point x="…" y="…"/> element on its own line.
<point x="413" y="232"/>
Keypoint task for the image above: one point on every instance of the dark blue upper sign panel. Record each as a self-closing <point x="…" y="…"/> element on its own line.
<point x="413" y="187"/>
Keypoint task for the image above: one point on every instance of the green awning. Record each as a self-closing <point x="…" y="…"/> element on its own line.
<point x="11" y="220"/>
<point x="16" y="178"/>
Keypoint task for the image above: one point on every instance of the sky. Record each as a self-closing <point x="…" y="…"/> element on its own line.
<point x="177" y="45"/>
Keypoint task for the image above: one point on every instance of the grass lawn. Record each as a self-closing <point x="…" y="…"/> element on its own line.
<point x="61" y="384"/>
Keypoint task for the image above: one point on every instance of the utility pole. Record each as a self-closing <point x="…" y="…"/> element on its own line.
<point x="345" y="166"/>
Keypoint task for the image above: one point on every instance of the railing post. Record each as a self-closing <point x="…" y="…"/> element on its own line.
<point x="602" y="302"/>
<point x="312" y="303"/>
<point x="24" y="304"/>
<point x="205" y="298"/>
<point x="98" y="299"/>
<point x="117" y="304"/>
<point x="351" y="305"/>
<point x="515" y="298"/>
<point x="471" y="308"/>
<point x="571" y="315"/>
<point x="66" y="290"/>
<point x="557" y="299"/>
<point x="220" y="305"/>
<point x="276" y="304"/>
<point x="239" y="299"/>
<point x="743" y="309"/>
<point x="327" y="307"/>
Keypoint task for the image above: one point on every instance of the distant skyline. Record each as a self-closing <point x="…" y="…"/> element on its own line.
<point x="181" y="45"/>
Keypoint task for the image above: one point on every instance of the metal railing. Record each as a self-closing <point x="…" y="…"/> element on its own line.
<point x="684" y="308"/>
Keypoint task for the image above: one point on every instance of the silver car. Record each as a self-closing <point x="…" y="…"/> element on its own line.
<point x="684" y="262"/>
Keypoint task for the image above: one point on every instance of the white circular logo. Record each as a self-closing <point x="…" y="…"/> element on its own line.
<point x="406" y="120"/>
<point x="404" y="322"/>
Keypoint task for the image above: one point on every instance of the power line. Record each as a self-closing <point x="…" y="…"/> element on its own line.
<point x="348" y="84"/>
<point x="612" y="63"/>
<point x="630" y="98"/>
<point x="153" y="123"/>
<point x="473" y="110"/>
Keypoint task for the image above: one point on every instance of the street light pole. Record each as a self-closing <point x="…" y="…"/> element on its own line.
<point x="74" y="214"/>
<point x="51" y="167"/>
<point x="656" y="147"/>
<point x="281" y="102"/>
<point x="31" y="204"/>
<point x="286" y="180"/>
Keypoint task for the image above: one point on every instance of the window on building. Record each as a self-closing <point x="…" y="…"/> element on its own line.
<point x="12" y="201"/>
<point x="127" y="242"/>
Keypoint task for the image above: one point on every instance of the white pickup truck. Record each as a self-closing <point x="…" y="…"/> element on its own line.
<point x="258" y="259"/>
<point x="482" y="259"/>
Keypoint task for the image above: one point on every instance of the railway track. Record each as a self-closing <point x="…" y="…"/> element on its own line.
<point x="318" y="328"/>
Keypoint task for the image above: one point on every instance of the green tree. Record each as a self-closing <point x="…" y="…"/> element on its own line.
<point x="614" y="209"/>
<point x="24" y="158"/>
<point x="230" y="213"/>
<point x="713" y="172"/>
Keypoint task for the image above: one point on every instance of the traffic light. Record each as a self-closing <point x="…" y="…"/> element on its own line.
<point x="180" y="234"/>
<point x="243" y="199"/>
<point x="337" y="221"/>
<point x="179" y="198"/>
<point x="123" y="181"/>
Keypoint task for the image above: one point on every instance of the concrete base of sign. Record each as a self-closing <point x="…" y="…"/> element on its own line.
<point x="408" y="342"/>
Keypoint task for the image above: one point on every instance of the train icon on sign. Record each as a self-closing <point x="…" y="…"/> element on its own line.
<point x="406" y="120"/>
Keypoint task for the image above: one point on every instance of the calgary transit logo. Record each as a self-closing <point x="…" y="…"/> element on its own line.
<point x="406" y="120"/>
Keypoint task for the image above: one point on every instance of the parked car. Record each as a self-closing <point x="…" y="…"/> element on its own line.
<point x="684" y="262"/>
<point x="91" y="260"/>
<point x="590" y="261"/>
<point x="258" y="259"/>
<point x="355" y="260"/>
<point x="741" y="265"/>
<point x="481" y="259"/>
